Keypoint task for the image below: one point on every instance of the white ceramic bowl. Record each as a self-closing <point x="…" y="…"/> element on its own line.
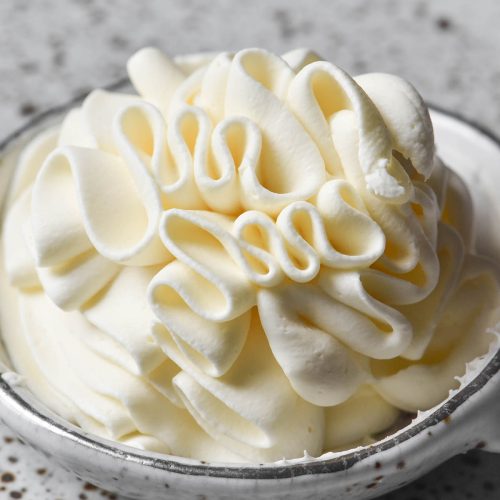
<point x="468" y="419"/>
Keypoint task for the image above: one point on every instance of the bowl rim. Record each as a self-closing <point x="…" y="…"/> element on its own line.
<point x="279" y="470"/>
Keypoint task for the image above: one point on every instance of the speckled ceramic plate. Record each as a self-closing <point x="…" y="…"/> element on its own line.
<point x="467" y="419"/>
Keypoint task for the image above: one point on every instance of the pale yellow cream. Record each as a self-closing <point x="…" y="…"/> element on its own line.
<point x="254" y="257"/>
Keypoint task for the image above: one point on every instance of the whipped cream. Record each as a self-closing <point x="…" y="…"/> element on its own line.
<point x="242" y="261"/>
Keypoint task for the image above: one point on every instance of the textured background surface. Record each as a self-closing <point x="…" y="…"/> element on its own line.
<point x="51" y="51"/>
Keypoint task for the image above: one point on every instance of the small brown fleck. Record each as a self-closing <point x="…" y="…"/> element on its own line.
<point x="447" y="419"/>
<point x="16" y="494"/>
<point x="8" y="439"/>
<point x="401" y="465"/>
<point x="429" y="433"/>
<point x="443" y="23"/>
<point x="89" y="487"/>
<point x="481" y="445"/>
<point x="379" y="478"/>
<point x="2" y="488"/>
<point x="371" y="485"/>
<point x="41" y="472"/>
<point x="378" y="465"/>
<point x="27" y="109"/>
<point x="7" y="477"/>
<point x="12" y="460"/>
<point x="112" y="496"/>
<point x="309" y="429"/>
<point x="82" y="496"/>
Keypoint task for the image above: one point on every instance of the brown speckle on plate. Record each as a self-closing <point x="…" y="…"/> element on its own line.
<point x="7" y="477"/>
<point x="27" y="109"/>
<point x="443" y="24"/>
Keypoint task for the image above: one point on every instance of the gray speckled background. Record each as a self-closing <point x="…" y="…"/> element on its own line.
<point x="52" y="50"/>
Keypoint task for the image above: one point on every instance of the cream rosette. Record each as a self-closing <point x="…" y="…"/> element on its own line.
<point x="239" y="260"/>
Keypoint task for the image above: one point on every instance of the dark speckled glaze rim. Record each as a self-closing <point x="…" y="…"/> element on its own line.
<point x="339" y="463"/>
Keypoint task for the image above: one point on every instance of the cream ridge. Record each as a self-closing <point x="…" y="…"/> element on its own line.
<point x="251" y="258"/>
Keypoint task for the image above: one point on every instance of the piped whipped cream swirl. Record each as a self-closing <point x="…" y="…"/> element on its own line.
<point x="230" y="264"/>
